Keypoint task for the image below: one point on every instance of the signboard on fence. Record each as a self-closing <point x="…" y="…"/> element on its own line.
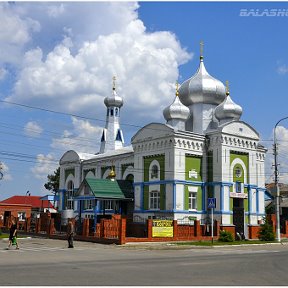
<point x="162" y="228"/>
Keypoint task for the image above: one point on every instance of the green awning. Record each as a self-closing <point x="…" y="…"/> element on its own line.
<point x="105" y="188"/>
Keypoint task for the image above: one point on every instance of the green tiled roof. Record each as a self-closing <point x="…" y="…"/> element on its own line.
<point x="105" y="188"/>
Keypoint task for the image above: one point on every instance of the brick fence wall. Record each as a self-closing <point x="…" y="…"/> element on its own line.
<point x="117" y="230"/>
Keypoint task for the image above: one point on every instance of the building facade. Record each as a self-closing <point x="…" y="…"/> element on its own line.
<point x="202" y="151"/>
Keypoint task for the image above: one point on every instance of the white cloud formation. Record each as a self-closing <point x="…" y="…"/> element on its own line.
<point x="76" y="81"/>
<point x="69" y="66"/>
<point x="15" y="33"/>
<point x="32" y="129"/>
<point x="283" y="69"/>
<point x="46" y="164"/>
<point x="84" y="137"/>
<point x="6" y="173"/>
<point x="3" y="73"/>
<point x="282" y="158"/>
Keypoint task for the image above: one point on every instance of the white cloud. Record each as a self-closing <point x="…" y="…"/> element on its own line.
<point x="33" y="129"/>
<point x="283" y="69"/>
<point x="3" y="73"/>
<point x="282" y="159"/>
<point x="84" y="137"/>
<point x="46" y="164"/>
<point x="6" y="174"/>
<point x="15" y="33"/>
<point x="76" y="81"/>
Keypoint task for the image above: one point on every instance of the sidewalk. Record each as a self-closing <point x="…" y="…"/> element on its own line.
<point x="175" y="246"/>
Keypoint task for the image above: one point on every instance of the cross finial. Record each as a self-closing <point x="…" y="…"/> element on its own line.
<point x="201" y="49"/>
<point x="114" y="82"/>
<point x="177" y="88"/>
<point x="227" y="88"/>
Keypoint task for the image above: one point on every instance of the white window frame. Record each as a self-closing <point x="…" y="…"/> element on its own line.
<point x="21" y="216"/>
<point x="238" y="187"/>
<point x="192" y="198"/>
<point x="154" y="200"/>
<point x="70" y="195"/>
<point x="108" y="205"/>
<point x="192" y="201"/>
<point x="89" y="204"/>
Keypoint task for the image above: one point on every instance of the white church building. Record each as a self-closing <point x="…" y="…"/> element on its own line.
<point x="171" y="169"/>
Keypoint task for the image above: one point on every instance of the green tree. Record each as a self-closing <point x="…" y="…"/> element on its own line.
<point x="53" y="181"/>
<point x="266" y="232"/>
<point x="225" y="236"/>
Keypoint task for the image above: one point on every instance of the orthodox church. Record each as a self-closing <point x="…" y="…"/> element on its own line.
<point x="170" y="170"/>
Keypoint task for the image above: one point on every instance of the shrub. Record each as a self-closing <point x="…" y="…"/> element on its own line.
<point x="266" y="232"/>
<point x="225" y="236"/>
<point x="0" y="232"/>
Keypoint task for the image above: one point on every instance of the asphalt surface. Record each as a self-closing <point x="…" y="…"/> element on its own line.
<point x="49" y="262"/>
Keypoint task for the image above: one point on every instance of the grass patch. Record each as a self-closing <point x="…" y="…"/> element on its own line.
<point x="217" y="243"/>
<point x="4" y="235"/>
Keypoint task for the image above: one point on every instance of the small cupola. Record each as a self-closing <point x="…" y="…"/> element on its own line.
<point x="112" y="174"/>
<point x="228" y="111"/>
<point x="176" y="114"/>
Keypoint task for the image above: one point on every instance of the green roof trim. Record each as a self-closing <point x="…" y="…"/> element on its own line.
<point x="105" y="188"/>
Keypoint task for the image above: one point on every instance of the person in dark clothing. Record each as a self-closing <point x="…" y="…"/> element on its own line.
<point x="70" y="234"/>
<point x="13" y="235"/>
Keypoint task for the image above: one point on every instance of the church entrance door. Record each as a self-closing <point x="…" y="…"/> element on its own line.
<point x="238" y="215"/>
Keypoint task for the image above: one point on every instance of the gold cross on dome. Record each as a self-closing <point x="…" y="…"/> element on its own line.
<point x="114" y="82"/>
<point x="227" y="87"/>
<point x="177" y="87"/>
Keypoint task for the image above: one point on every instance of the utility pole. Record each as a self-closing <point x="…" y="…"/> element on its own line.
<point x="1" y="173"/>
<point x="276" y="173"/>
<point x="278" y="236"/>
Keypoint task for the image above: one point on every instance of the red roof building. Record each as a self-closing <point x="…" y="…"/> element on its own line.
<point x="34" y="201"/>
<point x="22" y="207"/>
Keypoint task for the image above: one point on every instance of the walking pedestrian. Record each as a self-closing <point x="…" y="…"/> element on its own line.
<point x="13" y="235"/>
<point x="70" y="233"/>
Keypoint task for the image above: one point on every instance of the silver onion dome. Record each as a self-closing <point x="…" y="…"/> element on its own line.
<point x="228" y="110"/>
<point x="202" y="88"/>
<point x="176" y="110"/>
<point x="114" y="100"/>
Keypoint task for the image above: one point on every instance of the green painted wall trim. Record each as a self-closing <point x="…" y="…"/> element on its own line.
<point x="68" y="172"/>
<point x="245" y="158"/>
<point x="86" y="171"/>
<point x="246" y="204"/>
<point x="146" y="197"/>
<point x="193" y="163"/>
<point x="147" y="162"/>
<point x="124" y="167"/>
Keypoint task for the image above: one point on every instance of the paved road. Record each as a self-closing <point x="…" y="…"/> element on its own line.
<point x="49" y="262"/>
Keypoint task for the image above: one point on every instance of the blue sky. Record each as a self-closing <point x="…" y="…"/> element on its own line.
<point x="62" y="57"/>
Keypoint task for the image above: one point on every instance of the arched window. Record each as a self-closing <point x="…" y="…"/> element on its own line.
<point x="130" y="178"/>
<point x="154" y="171"/>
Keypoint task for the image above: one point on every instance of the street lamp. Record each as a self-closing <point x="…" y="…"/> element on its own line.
<point x="278" y="236"/>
